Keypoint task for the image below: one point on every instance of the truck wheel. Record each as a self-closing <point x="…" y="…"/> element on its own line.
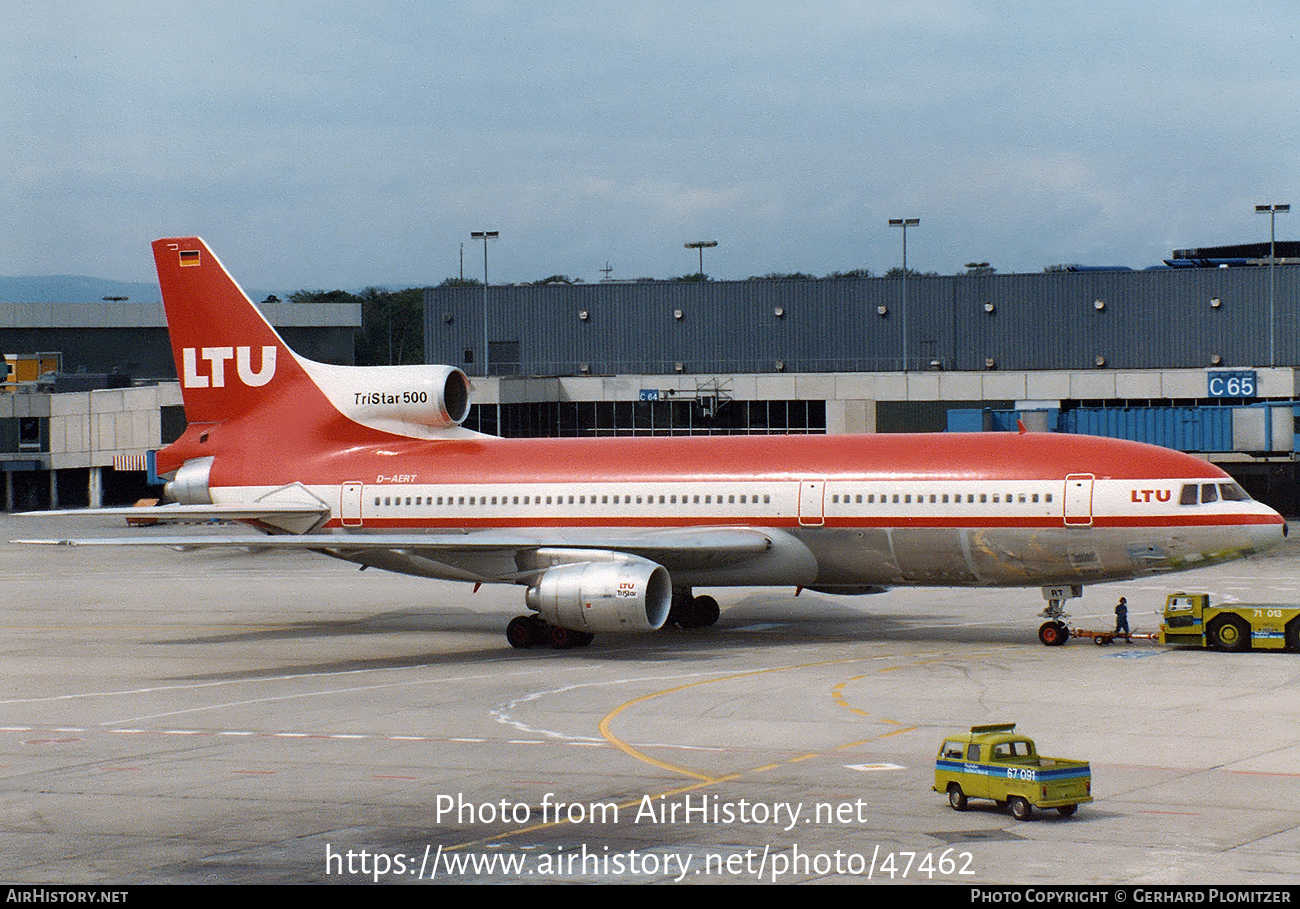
<point x="1053" y="634"/>
<point x="1229" y="634"/>
<point x="1293" y="634"/>
<point x="1020" y="808"/>
<point x="956" y="798"/>
<point x="1066" y="810"/>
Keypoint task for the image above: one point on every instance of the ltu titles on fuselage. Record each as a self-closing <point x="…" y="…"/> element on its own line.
<point x="373" y="398"/>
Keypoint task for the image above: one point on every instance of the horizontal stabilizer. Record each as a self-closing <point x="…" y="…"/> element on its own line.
<point x="295" y="518"/>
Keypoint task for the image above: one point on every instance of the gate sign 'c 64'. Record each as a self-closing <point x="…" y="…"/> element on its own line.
<point x="1232" y="384"/>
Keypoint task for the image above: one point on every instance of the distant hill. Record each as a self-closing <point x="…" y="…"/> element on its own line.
<point x="81" y="289"/>
<point x="74" y="289"/>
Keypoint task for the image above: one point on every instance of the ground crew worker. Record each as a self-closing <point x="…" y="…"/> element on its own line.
<point x="1121" y="617"/>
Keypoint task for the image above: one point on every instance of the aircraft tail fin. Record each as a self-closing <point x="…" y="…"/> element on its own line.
<point x="227" y="354"/>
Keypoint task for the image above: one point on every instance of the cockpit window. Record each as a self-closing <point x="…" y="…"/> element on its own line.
<point x="1206" y="493"/>
<point x="1233" y="493"/>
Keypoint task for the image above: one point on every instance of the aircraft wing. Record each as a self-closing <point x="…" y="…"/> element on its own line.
<point x="486" y="555"/>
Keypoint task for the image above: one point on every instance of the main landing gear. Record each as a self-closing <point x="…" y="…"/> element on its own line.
<point x="1054" y="631"/>
<point x="525" y="631"/>
<point x="686" y="611"/>
<point x="690" y="611"/>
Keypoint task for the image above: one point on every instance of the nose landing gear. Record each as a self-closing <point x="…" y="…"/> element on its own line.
<point x="1054" y="631"/>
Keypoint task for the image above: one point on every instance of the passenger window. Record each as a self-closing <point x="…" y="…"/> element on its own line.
<point x="973" y="753"/>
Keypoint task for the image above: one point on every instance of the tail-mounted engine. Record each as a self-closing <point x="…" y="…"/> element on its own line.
<point x="617" y="593"/>
<point x="407" y="400"/>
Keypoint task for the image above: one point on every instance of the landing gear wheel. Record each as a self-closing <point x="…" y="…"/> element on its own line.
<point x="1067" y="810"/>
<point x="565" y="638"/>
<point x="1020" y="808"/>
<point x="522" y="632"/>
<point x="956" y="798"/>
<point x="525" y="631"/>
<point x="706" y="611"/>
<point x="690" y="611"/>
<point x="1053" y="634"/>
<point x="1229" y="634"/>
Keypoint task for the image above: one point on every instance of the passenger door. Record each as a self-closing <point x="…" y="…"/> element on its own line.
<point x="1078" y="499"/>
<point x="350" y="504"/>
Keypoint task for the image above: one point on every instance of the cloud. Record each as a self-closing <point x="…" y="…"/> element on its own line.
<point x="360" y="144"/>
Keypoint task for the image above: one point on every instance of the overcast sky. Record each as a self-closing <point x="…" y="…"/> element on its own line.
<point x="339" y="144"/>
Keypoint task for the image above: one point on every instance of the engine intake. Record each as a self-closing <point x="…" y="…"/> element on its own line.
<point x="631" y="594"/>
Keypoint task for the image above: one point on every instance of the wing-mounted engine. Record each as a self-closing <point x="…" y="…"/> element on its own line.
<point x="601" y="591"/>
<point x="414" y="401"/>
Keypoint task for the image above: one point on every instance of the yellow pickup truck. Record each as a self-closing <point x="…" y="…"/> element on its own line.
<point x="993" y="762"/>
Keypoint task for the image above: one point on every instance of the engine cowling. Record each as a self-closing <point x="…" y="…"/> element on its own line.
<point x="632" y="594"/>
<point x="189" y="485"/>
<point x="403" y="399"/>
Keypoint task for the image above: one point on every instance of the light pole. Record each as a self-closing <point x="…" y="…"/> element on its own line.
<point x="701" y="245"/>
<point x="904" y="223"/>
<point x="1271" y="211"/>
<point x="485" y="235"/>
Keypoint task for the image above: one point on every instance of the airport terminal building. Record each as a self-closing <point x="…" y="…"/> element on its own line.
<point x="1200" y="357"/>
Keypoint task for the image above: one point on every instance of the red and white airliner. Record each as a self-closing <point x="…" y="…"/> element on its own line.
<point x="371" y="465"/>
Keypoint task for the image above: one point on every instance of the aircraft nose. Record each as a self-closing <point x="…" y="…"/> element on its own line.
<point x="1272" y="533"/>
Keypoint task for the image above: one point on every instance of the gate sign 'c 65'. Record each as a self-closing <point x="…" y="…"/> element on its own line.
<point x="1232" y="384"/>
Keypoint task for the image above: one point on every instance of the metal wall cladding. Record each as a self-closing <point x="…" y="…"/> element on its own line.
<point x="1167" y="318"/>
